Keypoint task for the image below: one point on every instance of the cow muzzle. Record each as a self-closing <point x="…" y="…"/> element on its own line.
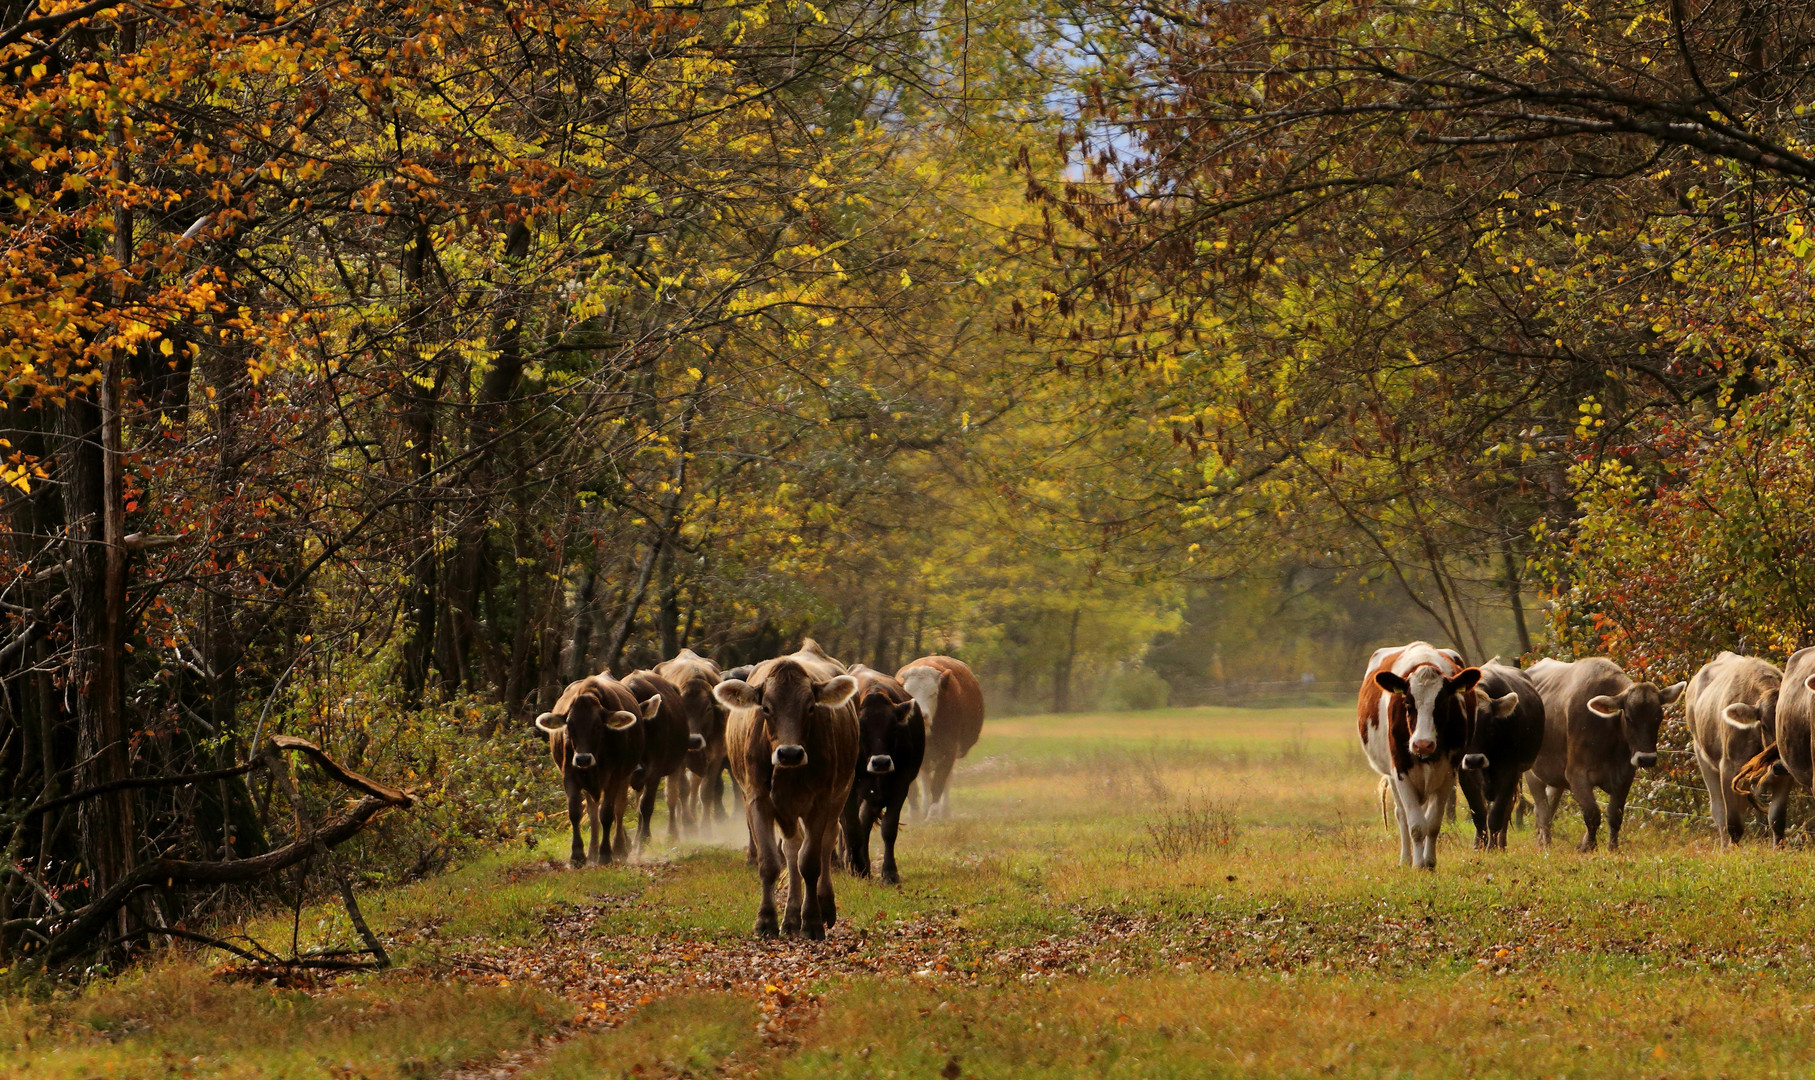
<point x="696" y="742"/>
<point x="583" y="761"/>
<point x="788" y="757"/>
<point x="1474" y="761"/>
<point x="882" y="764"/>
<point x="1424" y="748"/>
<point x="1643" y="760"/>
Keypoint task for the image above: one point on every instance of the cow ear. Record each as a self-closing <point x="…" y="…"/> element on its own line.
<point x="1809" y="683"/>
<point x="1389" y="682"/>
<point x="1503" y="706"/>
<point x="835" y="692"/>
<point x="550" y="722"/>
<point x="1465" y="679"/>
<point x="651" y="707"/>
<point x="1670" y="693"/>
<point x="1740" y="716"/>
<point x="906" y="711"/>
<point x="621" y="720"/>
<point x="1605" y="707"/>
<point x="737" y="694"/>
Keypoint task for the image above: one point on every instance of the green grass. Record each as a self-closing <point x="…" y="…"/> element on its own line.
<point x="1205" y="892"/>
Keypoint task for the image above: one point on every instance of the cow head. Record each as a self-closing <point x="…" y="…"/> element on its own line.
<point x="1431" y="708"/>
<point x="785" y="702"/>
<point x="586" y="723"/>
<point x="703" y="711"/>
<point x="1640" y="710"/>
<point x="1487" y="712"/>
<point x="879" y="717"/>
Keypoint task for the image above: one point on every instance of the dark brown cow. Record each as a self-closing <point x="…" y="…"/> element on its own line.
<point x="1505" y="737"/>
<point x="695" y="676"/>
<point x="952" y="701"/>
<point x="1600" y="728"/>
<point x="1731" y="709"/>
<point x="595" y="735"/>
<point x="792" y="737"/>
<point x="664" y="752"/>
<point x="891" y="743"/>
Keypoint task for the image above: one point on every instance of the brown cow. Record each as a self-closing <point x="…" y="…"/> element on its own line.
<point x="1413" y="715"/>
<point x="1600" y="728"/>
<point x="1789" y="762"/>
<point x="792" y="738"/>
<point x="664" y="752"/>
<point x="1731" y="709"/>
<point x="952" y="702"/>
<point x="595" y="735"/>
<point x="695" y="676"/>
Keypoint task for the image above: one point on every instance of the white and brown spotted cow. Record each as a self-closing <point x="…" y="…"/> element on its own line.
<point x="1413" y="714"/>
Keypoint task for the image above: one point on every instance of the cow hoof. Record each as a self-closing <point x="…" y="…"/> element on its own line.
<point x="890" y="877"/>
<point x="577" y="861"/>
<point x="815" y="933"/>
<point x="765" y="928"/>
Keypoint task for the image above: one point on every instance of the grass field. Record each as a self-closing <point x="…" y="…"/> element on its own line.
<point x="1205" y="892"/>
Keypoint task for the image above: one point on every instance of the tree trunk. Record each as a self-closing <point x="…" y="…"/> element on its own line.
<point x="1515" y="594"/>
<point x="95" y="508"/>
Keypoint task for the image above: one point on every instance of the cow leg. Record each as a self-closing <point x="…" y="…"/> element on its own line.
<point x="1777" y="811"/>
<point x="594" y="805"/>
<point x="1717" y="806"/>
<point x="712" y="797"/>
<point x="1504" y="794"/>
<point x="1544" y="800"/>
<point x="576" y="806"/>
<point x="1736" y="804"/>
<point x="943" y="760"/>
<point x="620" y="836"/>
<point x="768" y="865"/>
<point x="646" y="811"/>
<point x="1617" y="791"/>
<point x="1405" y="832"/>
<point x="1473" y="785"/>
<point x="1583" y="790"/>
<point x="677" y="802"/>
<point x="790" y="845"/>
<point x="828" y="904"/>
<point x="891" y="825"/>
<point x="856" y="834"/>
<point x="808" y="864"/>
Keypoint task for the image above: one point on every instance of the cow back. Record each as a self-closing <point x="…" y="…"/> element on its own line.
<point x="1731" y="679"/>
<point x="665" y="733"/>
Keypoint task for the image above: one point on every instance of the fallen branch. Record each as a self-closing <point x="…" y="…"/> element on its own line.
<point x="82" y="930"/>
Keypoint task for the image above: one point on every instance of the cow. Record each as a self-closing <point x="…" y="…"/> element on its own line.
<point x="952" y="701"/>
<point x="1506" y="733"/>
<point x="891" y="743"/>
<point x="664" y="752"/>
<point x="1600" y="728"/>
<point x="595" y="734"/>
<point x="792" y="744"/>
<point x="1413" y="714"/>
<point x="1731" y="709"/>
<point x="1789" y="762"/>
<point x="694" y="676"/>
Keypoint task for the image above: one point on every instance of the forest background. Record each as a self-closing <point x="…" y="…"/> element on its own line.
<point x="374" y="368"/>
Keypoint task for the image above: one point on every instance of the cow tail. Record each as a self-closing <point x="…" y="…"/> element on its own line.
<point x="1386" y="797"/>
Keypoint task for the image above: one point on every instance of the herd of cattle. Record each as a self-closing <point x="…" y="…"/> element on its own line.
<point x="1430" y="724"/>
<point x="817" y="751"/>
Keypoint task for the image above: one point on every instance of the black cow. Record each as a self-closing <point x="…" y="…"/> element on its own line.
<point x="1505" y="738"/>
<point x="891" y="745"/>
